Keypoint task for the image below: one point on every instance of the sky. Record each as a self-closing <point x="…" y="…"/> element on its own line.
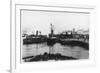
<point x="62" y="21"/>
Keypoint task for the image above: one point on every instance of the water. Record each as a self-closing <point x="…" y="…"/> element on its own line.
<point x="40" y="49"/>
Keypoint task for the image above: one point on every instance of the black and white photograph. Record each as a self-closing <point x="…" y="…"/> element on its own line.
<point x="48" y="35"/>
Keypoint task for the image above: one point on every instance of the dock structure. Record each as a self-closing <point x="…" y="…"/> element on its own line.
<point x="69" y="35"/>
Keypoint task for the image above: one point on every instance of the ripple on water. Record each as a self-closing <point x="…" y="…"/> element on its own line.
<point x="37" y="49"/>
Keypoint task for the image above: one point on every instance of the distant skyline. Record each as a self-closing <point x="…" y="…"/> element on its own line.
<point x="40" y="20"/>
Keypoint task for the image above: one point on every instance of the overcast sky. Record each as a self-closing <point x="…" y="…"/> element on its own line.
<point x="41" y="20"/>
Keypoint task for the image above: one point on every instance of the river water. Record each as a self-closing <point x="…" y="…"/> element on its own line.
<point x="40" y="49"/>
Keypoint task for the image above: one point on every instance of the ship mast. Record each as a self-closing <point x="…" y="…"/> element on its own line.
<point x="52" y="31"/>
